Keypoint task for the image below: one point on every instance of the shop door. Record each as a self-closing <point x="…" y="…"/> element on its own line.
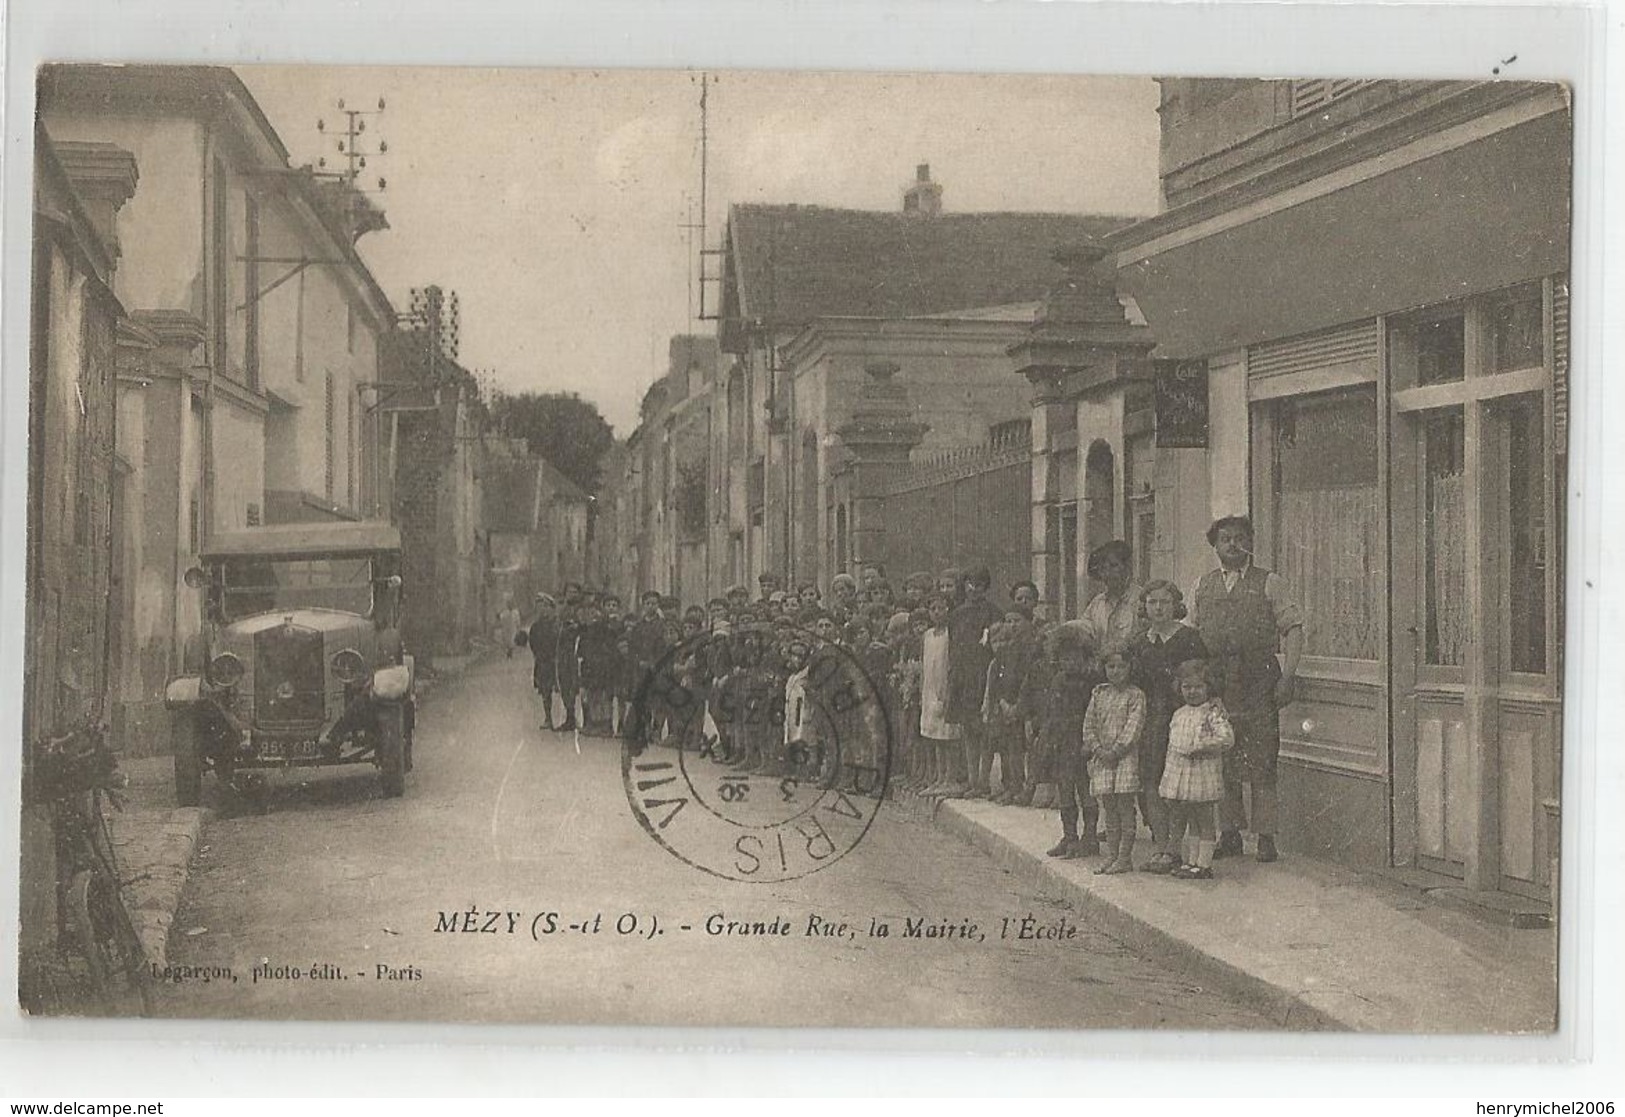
<point x="1434" y="632"/>
<point x="1476" y="569"/>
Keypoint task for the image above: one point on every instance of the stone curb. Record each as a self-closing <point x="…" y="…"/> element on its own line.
<point x="154" y="849"/>
<point x="1285" y="1007"/>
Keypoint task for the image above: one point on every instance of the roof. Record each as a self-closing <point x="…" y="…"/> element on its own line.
<point x="563" y="487"/>
<point x="509" y="489"/>
<point x="796" y="263"/>
<point x="331" y="538"/>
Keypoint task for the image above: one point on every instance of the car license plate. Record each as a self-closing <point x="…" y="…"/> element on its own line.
<point x="292" y="750"/>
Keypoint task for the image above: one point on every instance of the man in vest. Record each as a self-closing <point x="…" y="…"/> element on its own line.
<point x="1245" y="617"/>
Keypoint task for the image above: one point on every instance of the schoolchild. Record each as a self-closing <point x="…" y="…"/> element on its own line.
<point x="1066" y="700"/>
<point x="969" y="655"/>
<point x="595" y="649"/>
<point x="1166" y="644"/>
<point x="1193" y="778"/>
<point x="905" y="685"/>
<point x="567" y="661"/>
<point x="1012" y="643"/>
<point x="1111" y="738"/>
<point x="939" y="734"/>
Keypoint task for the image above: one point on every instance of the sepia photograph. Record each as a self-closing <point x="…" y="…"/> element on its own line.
<point x="796" y="549"/>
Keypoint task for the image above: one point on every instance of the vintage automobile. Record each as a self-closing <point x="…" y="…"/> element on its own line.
<point x="299" y="662"/>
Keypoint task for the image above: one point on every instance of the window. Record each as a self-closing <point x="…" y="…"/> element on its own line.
<point x="1517" y="330"/>
<point x="332" y="449"/>
<point x="350" y="441"/>
<point x="251" y="291"/>
<point x="1323" y="483"/>
<point x="221" y="280"/>
<point x="1527" y="550"/>
<point x="1441" y="350"/>
<point x="1444" y="538"/>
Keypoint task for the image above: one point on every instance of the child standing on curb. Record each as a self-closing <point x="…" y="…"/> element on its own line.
<point x="1111" y="739"/>
<point x="938" y="733"/>
<point x="1193" y="778"/>
<point x="1066" y="701"/>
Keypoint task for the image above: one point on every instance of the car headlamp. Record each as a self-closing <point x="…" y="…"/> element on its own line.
<point x="348" y="666"/>
<point x="225" y="670"/>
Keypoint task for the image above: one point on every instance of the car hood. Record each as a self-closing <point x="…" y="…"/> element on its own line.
<point x="322" y="620"/>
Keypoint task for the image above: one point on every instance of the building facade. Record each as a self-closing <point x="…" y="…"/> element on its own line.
<point x="75" y="596"/>
<point x="242" y="389"/>
<point x="1371" y="277"/>
<point x="811" y="299"/>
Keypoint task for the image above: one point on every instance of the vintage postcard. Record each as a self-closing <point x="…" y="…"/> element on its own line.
<point x="796" y="549"/>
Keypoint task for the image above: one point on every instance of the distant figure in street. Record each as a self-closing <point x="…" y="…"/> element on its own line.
<point x="509" y="624"/>
<point x="543" y="639"/>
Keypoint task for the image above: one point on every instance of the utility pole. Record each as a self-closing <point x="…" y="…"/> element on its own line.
<point x="349" y="146"/>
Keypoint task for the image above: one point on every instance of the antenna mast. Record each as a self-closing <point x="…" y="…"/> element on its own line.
<point x="706" y="277"/>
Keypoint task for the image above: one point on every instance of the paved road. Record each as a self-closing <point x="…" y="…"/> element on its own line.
<point x="502" y="817"/>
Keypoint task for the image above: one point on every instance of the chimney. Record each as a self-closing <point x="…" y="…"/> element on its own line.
<point x="923" y="198"/>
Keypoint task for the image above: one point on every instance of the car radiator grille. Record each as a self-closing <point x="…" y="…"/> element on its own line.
<point x="288" y="677"/>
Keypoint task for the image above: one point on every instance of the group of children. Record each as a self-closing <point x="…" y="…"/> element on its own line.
<point x="931" y="685"/>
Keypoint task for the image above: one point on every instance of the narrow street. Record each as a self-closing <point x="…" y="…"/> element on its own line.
<point x="500" y="817"/>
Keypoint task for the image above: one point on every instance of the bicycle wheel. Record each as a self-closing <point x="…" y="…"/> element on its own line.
<point x="118" y="962"/>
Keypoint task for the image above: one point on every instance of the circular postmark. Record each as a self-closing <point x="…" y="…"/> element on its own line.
<point x="759" y="755"/>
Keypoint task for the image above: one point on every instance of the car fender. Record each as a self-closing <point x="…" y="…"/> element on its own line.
<point x="393" y="684"/>
<point x="183" y="692"/>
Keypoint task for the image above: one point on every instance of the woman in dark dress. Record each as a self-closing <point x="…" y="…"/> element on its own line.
<point x="1166" y="644"/>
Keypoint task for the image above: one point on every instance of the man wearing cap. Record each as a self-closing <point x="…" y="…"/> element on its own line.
<point x="768" y="583"/>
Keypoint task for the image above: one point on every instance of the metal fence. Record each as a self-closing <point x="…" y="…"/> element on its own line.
<point x="966" y="506"/>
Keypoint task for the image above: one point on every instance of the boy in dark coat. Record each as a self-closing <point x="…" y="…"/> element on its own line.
<point x="1065" y="701"/>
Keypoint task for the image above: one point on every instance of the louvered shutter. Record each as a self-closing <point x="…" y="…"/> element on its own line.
<point x="1560" y="366"/>
<point x="1313" y="362"/>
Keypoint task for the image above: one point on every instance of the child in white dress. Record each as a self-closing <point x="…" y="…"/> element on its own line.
<point x="1193" y="778"/>
<point x="937" y="732"/>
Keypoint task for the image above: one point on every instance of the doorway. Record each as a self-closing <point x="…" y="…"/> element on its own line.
<point x="1476" y="569"/>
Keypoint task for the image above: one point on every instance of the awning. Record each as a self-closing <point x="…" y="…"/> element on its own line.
<point x="1477" y="218"/>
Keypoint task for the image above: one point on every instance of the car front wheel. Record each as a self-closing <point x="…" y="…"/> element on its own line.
<point x="392" y="750"/>
<point x="187" y="743"/>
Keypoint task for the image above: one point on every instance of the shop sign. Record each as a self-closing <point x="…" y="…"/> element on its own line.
<point x="1181" y="404"/>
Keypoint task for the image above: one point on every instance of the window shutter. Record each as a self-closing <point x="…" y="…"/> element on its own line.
<point x="1313" y="362"/>
<point x="1560" y="366"/>
<point x="1312" y="94"/>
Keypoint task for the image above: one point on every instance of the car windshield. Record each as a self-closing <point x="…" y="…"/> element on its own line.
<point x="258" y="585"/>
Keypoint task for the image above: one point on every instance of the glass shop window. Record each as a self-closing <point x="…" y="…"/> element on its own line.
<point x="1323" y="461"/>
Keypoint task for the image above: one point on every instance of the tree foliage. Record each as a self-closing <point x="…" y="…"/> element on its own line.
<point x="561" y="427"/>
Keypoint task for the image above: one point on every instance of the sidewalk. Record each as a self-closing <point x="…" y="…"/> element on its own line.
<point x="1319" y="945"/>
<point x="154" y="841"/>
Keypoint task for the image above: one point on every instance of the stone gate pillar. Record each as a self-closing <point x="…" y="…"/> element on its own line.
<point x="1082" y="347"/>
<point x="878" y="439"/>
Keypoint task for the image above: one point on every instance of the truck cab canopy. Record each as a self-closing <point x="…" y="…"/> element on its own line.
<point x="322" y="538"/>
